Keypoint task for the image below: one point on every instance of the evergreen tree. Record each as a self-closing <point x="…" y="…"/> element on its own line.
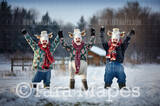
<point x="46" y="20"/>
<point x="82" y="23"/>
<point x="5" y="25"/>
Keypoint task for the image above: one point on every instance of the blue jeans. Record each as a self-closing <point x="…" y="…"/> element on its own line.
<point x="114" y="69"/>
<point x="45" y="76"/>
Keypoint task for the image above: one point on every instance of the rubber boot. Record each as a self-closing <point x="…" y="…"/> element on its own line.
<point x="121" y="86"/>
<point x="33" y="85"/>
<point x="46" y="86"/>
<point x="72" y="82"/>
<point x="84" y="81"/>
<point x="107" y="85"/>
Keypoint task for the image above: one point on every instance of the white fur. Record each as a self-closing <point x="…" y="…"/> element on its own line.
<point x="82" y="71"/>
<point x="77" y="34"/>
<point x="44" y="36"/>
<point x="115" y="34"/>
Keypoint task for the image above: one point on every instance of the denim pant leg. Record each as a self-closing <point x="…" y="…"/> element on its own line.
<point x="121" y="76"/>
<point x="37" y="77"/>
<point x="47" y="77"/>
<point x="109" y="73"/>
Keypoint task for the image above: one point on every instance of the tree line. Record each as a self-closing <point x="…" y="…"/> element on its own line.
<point x="144" y="46"/>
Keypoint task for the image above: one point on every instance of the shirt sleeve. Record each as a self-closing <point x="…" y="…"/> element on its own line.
<point x="91" y="43"/>
<point x="104" y="43"/>
<point x="126" y="43"/>
<point x="55" y="44"/>
<point x="31" y="42"/>
<point x="66" y="46"/>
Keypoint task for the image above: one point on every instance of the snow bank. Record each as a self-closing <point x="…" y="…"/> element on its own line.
<point x="144" y="76"/>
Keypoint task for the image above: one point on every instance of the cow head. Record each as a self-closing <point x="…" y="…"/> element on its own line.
<point x="44" y="38"/>
<point x="77" y="35"/>
<point x="115" y="35"/>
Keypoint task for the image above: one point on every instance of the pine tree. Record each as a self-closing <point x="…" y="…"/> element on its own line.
<point x="82" y="23"/>
<point x="46" y="20"/>
<point x="5" y="24"/>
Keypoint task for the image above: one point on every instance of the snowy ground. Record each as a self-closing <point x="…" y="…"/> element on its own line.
<point x="144" y="76"/>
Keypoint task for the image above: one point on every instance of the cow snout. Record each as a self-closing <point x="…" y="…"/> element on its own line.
<point x="115" y="40"/>
<point x="78" y="40"/>
<point x="44" y="42"/>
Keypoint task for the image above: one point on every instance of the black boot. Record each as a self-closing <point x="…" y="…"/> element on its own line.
<point x="84" y="81"/>
<point x="33" y="85"/>
<point x="122" y="85"/>
<point x="107" y="85"/>
<point x="46" y="86"/>
<point x="72" y="82"/>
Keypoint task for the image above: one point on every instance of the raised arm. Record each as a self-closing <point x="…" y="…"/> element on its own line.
<point x="102" y="33"/>
<point x="92" y="39"/>
<point x="55" y="44"/>
<point x="64" y="44"/>
<point x="126" y="41"/>
<point x="29" y="40"/>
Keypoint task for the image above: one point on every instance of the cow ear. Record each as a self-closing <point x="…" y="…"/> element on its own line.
<point x="109" y="33"/>
<point x="38" y="37"/>
<point x="83" y="33"/>
<point x="50" y="35"/>
<point x="122" y="34"/>
<point x="71" y="34"/>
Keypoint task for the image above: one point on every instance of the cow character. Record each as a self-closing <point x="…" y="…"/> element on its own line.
<point x="115" y="50"/>
<point x="43" y="56"/>
<point x="78" y="55"/>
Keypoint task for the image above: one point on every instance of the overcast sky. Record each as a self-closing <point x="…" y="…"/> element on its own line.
<point x="72" y="10"/>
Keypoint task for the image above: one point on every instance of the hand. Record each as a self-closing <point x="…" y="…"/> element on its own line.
<point x="102" y="30"/>
<point x="132" y="32"/>
<point x="92" y="32"/>
<point x="60" y="34"/>
<point x="24" y="32"/>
